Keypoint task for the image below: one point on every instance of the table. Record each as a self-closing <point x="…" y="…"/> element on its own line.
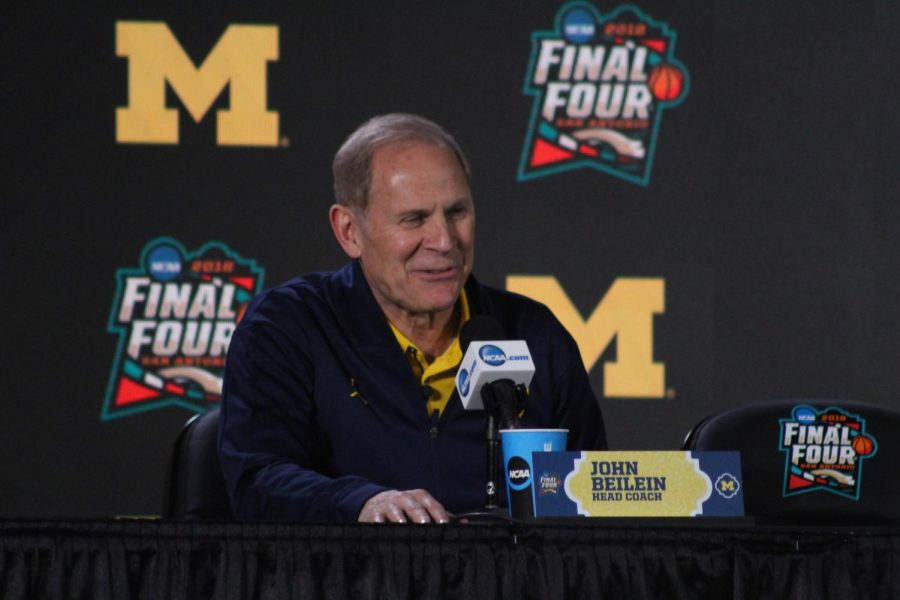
<point x="122" y="559"/>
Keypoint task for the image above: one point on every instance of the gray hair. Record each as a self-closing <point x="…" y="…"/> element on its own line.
<point x="352" y="166"/>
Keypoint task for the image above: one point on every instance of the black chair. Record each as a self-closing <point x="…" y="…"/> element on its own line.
<point x="777" y="492"/>
<point x="196" y="487"/>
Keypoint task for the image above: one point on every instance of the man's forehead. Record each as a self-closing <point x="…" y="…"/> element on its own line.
<point x="399" y="153"/>
<point x="409" y="164"/>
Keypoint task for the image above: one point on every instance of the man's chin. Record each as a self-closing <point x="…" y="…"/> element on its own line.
<point x="439" y="302"/>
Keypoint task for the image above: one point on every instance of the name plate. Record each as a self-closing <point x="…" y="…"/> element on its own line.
<point x="637" y="484"/>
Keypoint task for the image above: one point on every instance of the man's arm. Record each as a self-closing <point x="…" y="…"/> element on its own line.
<point x="268" y="441"/>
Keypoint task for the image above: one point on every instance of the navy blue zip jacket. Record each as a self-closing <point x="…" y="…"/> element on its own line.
<point x="321" y="409"/>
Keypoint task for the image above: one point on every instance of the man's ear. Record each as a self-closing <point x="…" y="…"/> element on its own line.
<point x="345" y="225"/>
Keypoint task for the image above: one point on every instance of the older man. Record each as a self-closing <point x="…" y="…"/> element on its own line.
<point x="338" y="400"/>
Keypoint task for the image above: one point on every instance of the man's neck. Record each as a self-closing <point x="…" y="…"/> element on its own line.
<point x="432" y="333"/>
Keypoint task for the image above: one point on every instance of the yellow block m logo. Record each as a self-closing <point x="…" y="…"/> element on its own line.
<point x="238" y="60"/>
<point x="625" y="314"/>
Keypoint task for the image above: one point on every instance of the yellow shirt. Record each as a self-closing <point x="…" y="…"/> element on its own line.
<point x="439" y="374"/>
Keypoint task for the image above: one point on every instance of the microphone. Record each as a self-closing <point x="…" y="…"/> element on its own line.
<point x="494" y="372"/>
<point x="493" y="376"/>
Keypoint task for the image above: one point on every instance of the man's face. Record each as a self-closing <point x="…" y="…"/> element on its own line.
<point x="415" y="239"/>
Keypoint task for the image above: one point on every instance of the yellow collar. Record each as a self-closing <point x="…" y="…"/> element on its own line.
<point x="439" y="374"/>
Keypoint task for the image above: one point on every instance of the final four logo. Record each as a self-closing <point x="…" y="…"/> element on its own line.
<point x="600" y="84"/>
<point x="174" y="315"/>
<point x="825" y="450"/>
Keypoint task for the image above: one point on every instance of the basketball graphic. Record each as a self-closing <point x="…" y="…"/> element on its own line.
<point x="666" y="82"/>
<point x="862" y="445"/>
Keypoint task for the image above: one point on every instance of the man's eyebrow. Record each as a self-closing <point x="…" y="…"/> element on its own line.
<point x="414" y="212"/>
<point x="460" y="203"/>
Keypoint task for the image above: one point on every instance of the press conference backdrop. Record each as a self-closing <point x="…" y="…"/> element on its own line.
<point x="704" y="192"/>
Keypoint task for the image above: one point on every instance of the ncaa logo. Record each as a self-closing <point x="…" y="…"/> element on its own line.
<point x="492" y="355"/>
<point x="464" y="381"/>
<point x="519" y="473"/>
<point x="805" y="415"/>
<point x="164" y="262"/>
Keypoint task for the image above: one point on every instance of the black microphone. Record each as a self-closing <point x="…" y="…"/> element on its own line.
<point x="501" y="398"/>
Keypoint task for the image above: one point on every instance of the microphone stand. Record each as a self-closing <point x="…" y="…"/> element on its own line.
<point x="492" y="434"/>
<point x="503" y="401"/>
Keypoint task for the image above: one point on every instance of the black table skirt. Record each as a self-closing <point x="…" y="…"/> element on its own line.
<point x="158" y="559"/>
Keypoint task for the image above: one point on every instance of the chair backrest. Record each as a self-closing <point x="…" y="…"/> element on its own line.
<point x="196" y="487"/>
<point x="811" y="461"/>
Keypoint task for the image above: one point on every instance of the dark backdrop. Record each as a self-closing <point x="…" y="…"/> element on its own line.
<point x="770" y="213"/>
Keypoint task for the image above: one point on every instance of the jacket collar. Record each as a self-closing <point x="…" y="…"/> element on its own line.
<point x="363" y="319"/>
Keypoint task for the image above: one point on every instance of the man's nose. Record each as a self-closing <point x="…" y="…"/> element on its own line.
<point x="440" y="235"/>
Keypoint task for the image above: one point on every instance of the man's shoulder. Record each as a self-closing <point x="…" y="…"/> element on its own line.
<point x="499" y="301"/>
<point x="520" y="316"/>
<point x="309" y="286"/>
<point x="301" y="294"/>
